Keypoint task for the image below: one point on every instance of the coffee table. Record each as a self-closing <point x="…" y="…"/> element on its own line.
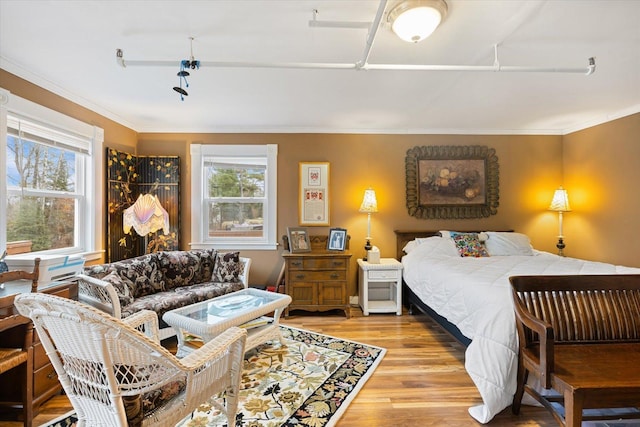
<point x="259" y="311"/>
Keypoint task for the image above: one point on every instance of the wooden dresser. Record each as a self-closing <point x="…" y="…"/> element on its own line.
<point x="317" y="280"/>
<point x="45" y="380"/>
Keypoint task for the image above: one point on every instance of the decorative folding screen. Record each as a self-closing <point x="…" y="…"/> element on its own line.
<point x="127" y="177"/>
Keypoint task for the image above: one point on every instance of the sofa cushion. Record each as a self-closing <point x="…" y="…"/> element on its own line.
<point x="143" y="272"/>
<point x="227" y="267"/>
<point x="183" y="268"/>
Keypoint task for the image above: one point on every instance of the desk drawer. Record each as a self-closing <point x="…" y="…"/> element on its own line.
<point x="45" y="379"/>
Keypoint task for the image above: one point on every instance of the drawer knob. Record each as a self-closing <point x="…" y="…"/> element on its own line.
<point x="335" y="276"/>
<point x="300" y="276"/>
<point x="296" y="263"/>
<point x="52" y="375"/>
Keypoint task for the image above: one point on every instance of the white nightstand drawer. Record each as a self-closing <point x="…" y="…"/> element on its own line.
<point x="383" y="274"/>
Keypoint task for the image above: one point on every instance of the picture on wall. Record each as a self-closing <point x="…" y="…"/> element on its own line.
<point x="452" y="181"/>
<point x="313" y="205"/>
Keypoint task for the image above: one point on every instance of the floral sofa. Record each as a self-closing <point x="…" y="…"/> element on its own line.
<point x="162" y="281"/>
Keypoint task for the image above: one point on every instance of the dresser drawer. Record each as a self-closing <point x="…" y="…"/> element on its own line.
<point x="325" y="263"/>
<point x="383" y="274"/>
<point x="318" y="276"/>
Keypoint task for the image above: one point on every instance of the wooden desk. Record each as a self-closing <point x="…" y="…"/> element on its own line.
<point x="14" y="327"/>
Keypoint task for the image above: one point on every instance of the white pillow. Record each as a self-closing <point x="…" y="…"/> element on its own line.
<point x="414" y="243"/>
<point x="410" y="246"/>
<point x="507" y="243"/>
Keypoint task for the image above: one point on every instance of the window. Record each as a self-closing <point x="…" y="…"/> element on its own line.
<point x="48" y="190"/>
<point x="233" y="196"/>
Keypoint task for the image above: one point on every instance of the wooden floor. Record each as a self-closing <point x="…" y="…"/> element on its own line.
<point x="420" y="382"/>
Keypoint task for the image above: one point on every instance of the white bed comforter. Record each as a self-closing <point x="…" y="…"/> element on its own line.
<point x="475" y="295"/>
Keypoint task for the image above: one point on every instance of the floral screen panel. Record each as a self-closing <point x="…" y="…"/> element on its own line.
<point x="129" y="176"/>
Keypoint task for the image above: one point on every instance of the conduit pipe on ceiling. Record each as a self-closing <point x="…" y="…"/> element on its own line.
<point x="372" y="34"/>
<point x="589" y="69"/>
<point x="363" y="64"/>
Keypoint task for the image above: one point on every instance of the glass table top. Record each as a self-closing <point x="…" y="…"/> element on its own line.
<point x="230" y="305"/>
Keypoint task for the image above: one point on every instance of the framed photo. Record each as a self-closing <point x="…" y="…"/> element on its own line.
<point x="298" y="239"/>
<point x="459" y="181"/>
<point x="337" y="240"/>
<point x="313" y="205"/>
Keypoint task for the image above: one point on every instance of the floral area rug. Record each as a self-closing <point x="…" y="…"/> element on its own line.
<point x="309" y="382"/>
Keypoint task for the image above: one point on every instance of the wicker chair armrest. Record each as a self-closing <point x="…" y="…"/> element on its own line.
<point x="215" y="348"/>
<point x="145" y="321"/>
<point x="99" y="294"/>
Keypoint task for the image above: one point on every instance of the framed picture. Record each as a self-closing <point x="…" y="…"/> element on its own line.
<point x="313" y="205"/>
<point x="337" y="239"/>
<point x="445" y="182"/>
<point x="298" y="239"/>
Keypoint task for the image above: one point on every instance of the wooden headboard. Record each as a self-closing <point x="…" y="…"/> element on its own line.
<point x="405" y="236"/>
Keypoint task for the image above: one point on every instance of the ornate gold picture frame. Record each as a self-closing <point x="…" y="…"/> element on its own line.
<point x="452" y="181"/>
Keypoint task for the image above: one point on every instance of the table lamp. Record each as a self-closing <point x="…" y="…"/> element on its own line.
<point x="369" y="205"/>
<point x="560" y="204"/>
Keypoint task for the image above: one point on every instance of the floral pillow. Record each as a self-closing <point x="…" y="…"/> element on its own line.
<point x="469" y="245"/>
<point x="227" y="267"/>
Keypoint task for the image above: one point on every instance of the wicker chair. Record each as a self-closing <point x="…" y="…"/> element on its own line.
<point x="116" y="373"/>
<point x="20" y="355"/>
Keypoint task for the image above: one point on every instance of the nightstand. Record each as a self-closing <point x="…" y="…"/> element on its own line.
<point x="380" y="286"/>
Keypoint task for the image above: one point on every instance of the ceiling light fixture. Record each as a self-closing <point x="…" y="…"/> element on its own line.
<point x="415" y="20"/>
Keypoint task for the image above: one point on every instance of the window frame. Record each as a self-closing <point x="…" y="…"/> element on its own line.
<point x="199" y="200"/>
<point x="90" y="204"/>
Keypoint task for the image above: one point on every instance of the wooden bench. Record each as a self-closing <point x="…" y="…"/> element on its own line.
<point x="580" y="336"/>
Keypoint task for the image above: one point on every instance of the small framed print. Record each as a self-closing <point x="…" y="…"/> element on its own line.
<point x="298" y="240"/>
<point x="337" y="240"/>
<point x="313" y="206"/>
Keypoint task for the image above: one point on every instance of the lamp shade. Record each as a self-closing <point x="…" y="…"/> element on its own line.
<point x="146" y="216"/>
<point x="369" y="202"/>
<point x="560" y="202"/>
<point x="415" y="20"/>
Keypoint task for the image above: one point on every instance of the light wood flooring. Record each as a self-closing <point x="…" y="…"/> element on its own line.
<point x="420" y="382"/>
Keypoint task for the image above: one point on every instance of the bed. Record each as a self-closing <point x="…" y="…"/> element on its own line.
<point x="470" y="297"/>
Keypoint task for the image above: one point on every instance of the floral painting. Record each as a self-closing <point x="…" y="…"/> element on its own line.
<point x="451" y="181"/>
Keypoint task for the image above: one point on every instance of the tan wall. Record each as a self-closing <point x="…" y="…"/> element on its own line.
<point x="601" y="171"/>
<point x="530" y="170"/>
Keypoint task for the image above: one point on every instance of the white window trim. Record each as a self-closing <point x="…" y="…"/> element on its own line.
<point x="92" y="220"/>
<point x="198" y="226"/>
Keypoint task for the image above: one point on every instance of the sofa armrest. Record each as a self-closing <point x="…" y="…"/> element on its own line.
<point x="99" y="294"/>
<point x="244" y="277"/>
<point x="145" y="321"/>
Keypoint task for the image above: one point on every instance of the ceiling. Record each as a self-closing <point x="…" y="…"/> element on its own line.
<point x="69" y="47"/>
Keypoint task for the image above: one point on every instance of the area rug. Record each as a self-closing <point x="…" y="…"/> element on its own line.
<point x="308" y="382"/>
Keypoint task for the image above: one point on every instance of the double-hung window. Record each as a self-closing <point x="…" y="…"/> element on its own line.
<point x="48" y="185"/>
<point x="234" y="196"/>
